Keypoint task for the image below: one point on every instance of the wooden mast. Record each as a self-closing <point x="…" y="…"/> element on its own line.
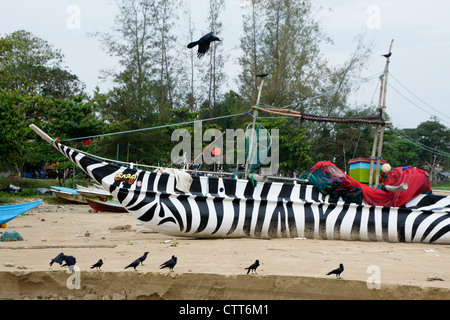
<point x="379" y="130"/>
<point x="255" y="115"/>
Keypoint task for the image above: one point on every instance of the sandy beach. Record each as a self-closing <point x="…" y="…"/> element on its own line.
<point x="206" y="269"/>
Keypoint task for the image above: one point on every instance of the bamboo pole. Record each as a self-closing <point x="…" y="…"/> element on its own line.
<point x="383" y="115"/>
<point x="379" y="130"/>
<point x="375" y="136"/>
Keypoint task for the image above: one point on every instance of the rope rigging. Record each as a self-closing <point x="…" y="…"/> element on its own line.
<point x="306" y="116"/>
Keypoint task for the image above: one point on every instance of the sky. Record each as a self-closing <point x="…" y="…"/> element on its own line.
<point x="419" y="66"/>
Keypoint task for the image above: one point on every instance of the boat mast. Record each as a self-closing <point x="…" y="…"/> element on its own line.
<point x="255" y="115"/>
<point x="379" y="129"/>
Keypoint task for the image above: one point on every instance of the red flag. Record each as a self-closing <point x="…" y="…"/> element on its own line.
<point x="216" y="151"/>
<point x="87" y="142"/>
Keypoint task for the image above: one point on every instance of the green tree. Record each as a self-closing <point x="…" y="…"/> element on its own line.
<point x="36" y="88"/>
<point x="31" y="65"/>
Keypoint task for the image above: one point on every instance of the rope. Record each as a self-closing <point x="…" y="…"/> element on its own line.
<point x="297" y="114"/>
<point x="157" y="127"/>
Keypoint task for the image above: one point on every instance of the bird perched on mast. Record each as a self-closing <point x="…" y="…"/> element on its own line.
<point x="387" y="55"/>
<point x="203" y="44"/>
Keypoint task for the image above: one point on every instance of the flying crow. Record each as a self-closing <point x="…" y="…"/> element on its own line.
<point x="97" y="265"/>
<point x="134" y="264"/>
<point x="253" y="267"/>
<point x="203" y="44"/>
<point x="337" y="271"/>
<point x="169" y="264"/>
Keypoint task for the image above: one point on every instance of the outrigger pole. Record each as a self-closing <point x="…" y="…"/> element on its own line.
<point x="379" y="130"/>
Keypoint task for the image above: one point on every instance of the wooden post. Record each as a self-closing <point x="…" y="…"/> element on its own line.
<point x="255" y="115"/>
<point x="379" y="130"/>
<point x="383" y="115"/>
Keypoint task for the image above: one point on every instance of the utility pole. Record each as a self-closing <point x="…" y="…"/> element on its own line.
<point x="379" y="130"/>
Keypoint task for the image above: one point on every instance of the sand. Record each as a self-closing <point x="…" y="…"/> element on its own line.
<point x="206" y="269"/>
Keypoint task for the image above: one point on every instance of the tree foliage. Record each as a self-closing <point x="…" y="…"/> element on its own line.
<point x="155" y="86"/>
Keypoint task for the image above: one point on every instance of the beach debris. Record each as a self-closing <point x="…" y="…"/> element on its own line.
<point x="22" y="267"/>
<point x="434" y="278"/>
<point x="300" y="238"/>
<point x="337" y="271"/>
<point x="432" y="251"/>
<point x="9" y="264"/>
<point x="121" y="228"/>
<point x="43" y="191"/>
<point x="169" y="264"/>
<point x="87" y="234"/>
<point x="253" y="267"/>
<point x="10" y="235"/>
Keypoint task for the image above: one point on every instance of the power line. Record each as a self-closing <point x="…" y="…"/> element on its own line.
<point x="412" y="102"/>
<point x="398" y="81"/>
<point x="420" y="145"/>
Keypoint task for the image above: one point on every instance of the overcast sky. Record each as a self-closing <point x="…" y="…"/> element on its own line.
<point x="420" y="63"/>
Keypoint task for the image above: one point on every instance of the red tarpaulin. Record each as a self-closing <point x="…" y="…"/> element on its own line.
<point x="331" y="180"/>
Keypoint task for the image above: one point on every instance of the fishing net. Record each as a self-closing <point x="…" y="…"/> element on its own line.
<point x="11" y="236"/>
<point x="329" y="179"/>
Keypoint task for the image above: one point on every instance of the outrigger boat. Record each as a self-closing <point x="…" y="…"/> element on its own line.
<point x="327" y="204"/>
<point x="227" y="207"/>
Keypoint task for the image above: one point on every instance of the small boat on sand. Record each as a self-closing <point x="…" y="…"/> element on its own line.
<point x="9" y="212"/>
<point x="67" y="195"/>
<point x="99" y="199"/>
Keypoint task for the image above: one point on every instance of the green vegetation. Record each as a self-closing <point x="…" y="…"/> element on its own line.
<point x="156" y="85"/>
<point x="29" y="189"/>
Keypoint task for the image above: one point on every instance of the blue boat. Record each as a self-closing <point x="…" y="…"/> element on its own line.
<point x="9" y="212"/>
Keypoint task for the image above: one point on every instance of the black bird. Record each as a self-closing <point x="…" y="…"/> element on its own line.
<point x="134" y="264"/>
<point x="60" y="258"/>
<point x="97" y="265"/>
<point x="253" y="267"/>
<point x="203" y="44"/>
<point x="169" y="264"/>
<point x="337" y="271"/>
<point x="262" y="75"/>
<point x="142" y="259"/>
<point x="387" y="55"/>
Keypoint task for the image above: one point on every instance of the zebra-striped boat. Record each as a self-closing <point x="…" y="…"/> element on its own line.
<point x="221" y="207"/>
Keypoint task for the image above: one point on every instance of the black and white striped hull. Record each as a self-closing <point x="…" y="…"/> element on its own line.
<point x="217" y="207"/>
